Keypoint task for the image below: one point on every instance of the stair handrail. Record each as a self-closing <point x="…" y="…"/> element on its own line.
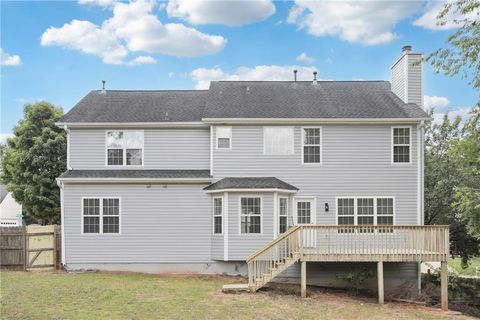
<point x="272" y="243"/>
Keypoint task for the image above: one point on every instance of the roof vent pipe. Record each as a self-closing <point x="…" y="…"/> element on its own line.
<point x="295" y="75"/>
<point x="103" y="87"/>
<point x="166" y="116"/>
<point x="314" y="77"/>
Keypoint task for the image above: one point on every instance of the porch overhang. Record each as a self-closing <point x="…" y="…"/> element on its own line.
<point x="250" y="184"/>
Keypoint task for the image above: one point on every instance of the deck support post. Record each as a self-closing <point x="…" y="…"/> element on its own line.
<point x="444" y="285"/>
<point x="380" y="282"/>
<point x="303" y="281"/>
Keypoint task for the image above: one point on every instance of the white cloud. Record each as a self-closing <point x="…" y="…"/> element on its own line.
<point x="429" y="20"/>
<point x="9" y="60"/>
<point x="203" y="76"/>
<point x="435" y="102"/>
<point x="305" y="58"/>
<point x="142" y="60"/>
<point x="463" y="113"/>
<point x="88" y="38"/>
<point x="365" y="22"/>
<point x="171" y="75"/>
<point x="101" y="3"/>
<point x="226" y="12"/>
<point x="132" y="28"/>
<point x="4" y="137"/>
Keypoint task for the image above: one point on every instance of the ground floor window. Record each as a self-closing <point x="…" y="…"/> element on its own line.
<point x="217" y="215"/>
<point x="365" y="211"/>
<point x="101" y="215"/>
<point x="282" y="214"/>
<point x="250" y="215"/>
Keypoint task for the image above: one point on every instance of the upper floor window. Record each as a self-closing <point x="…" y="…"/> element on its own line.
<point x="124" y="148"/>
<point x="250" y="215"/>
<point x="224" y="137"/>
<point x="311" y="144"/>
<point x="401" y="145"/>
<point x="101" y="215"/>
<point x="278" y="140"/>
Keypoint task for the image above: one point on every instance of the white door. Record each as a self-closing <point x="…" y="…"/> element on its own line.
<point x="304" y="211"/>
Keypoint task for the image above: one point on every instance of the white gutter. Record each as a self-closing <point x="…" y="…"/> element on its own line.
<point x="192" y="124"/>
<point x="134" y="180"/>
<point x="252" y="190"/>
<point x="313" y="120"/>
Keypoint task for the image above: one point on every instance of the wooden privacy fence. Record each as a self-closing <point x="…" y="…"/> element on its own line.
<point x="30" y="247"/>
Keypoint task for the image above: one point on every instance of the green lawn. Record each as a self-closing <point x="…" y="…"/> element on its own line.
<point x="140" y="296"/>
<point x="456" y="263"/>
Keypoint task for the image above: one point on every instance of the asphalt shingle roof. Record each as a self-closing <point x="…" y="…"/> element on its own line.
<point x="303" y="99"/>
<point x="137" y="174"/>
<point x="250" y="183"/>
<point x="138" y="106"/>
<point x="247" y="99"/>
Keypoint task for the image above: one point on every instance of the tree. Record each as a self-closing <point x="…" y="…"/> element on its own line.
<point x="466" y="154"/>
<point x="463" y="52"/>
<point x="34" y="157"/>
<point x="445" y="175"/>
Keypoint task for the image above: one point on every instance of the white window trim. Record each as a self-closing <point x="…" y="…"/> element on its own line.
<point x="240" y="197"/>
<point x="321" y="145"/>
<point x="216" y="137"/>
<point x="279" y="215"/>
<point x="314" y="208"/>
<point x="222" y="215"/>
<point x="355" y="210"/>
<point x="124" y="150"/>
<point x="409" y="145"/>
<point x="291" y="152"/>
<point x="101" y="216"/>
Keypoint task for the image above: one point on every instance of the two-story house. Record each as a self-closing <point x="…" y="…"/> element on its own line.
<point x="257" y="174"/>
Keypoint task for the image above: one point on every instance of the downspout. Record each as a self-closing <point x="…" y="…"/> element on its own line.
<point x="420" y="194"/>
<point x="62" y="220"/>
<point x="68" y="146"/>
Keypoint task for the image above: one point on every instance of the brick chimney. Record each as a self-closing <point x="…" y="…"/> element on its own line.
<point x="407" y="77"/>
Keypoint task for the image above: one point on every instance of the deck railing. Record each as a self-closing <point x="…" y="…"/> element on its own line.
<point x="374" y="243"/>
<point x="395" y="243"/>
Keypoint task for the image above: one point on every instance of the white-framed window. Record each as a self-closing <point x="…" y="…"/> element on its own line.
<point x="250" y="215"/>
<point x="278" y="140"/>
<point x="218" y="215"/>
<point x="365" y="211"/>
<point x="401" y="145"/>
<point x="100" y="215"/>
<point x="304" y="210"/>
<point x="124" y="148"/>
<point x="311" y="145"/>
<point x="224" y="137"/>
<point x="282" y="214"/>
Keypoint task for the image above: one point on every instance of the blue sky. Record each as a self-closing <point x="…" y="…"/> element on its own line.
<point x="58" y="51"/>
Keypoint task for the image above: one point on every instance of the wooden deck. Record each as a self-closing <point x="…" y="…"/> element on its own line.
<point x="329" y="243"/>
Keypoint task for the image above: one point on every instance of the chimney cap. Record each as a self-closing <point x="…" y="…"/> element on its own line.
<point x="407" y="48"/>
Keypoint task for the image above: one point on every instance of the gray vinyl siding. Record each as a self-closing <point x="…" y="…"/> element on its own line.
<point x="159" y="224"/>
<point x="329" y="274"/>
<point x="407" y="81"/>
<point x="398" y="79"/>
<point x="240" y="246"/>
<point x="415" y="83"/>
<point x="356" y="162"/>
<point x="163" y="149"/>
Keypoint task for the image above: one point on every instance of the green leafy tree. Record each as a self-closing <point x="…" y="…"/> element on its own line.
<point x="466" y="154"/>
<point x="462" y="55"/>
<point x="34" y="157"/>
<point x="445" y="174"/>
